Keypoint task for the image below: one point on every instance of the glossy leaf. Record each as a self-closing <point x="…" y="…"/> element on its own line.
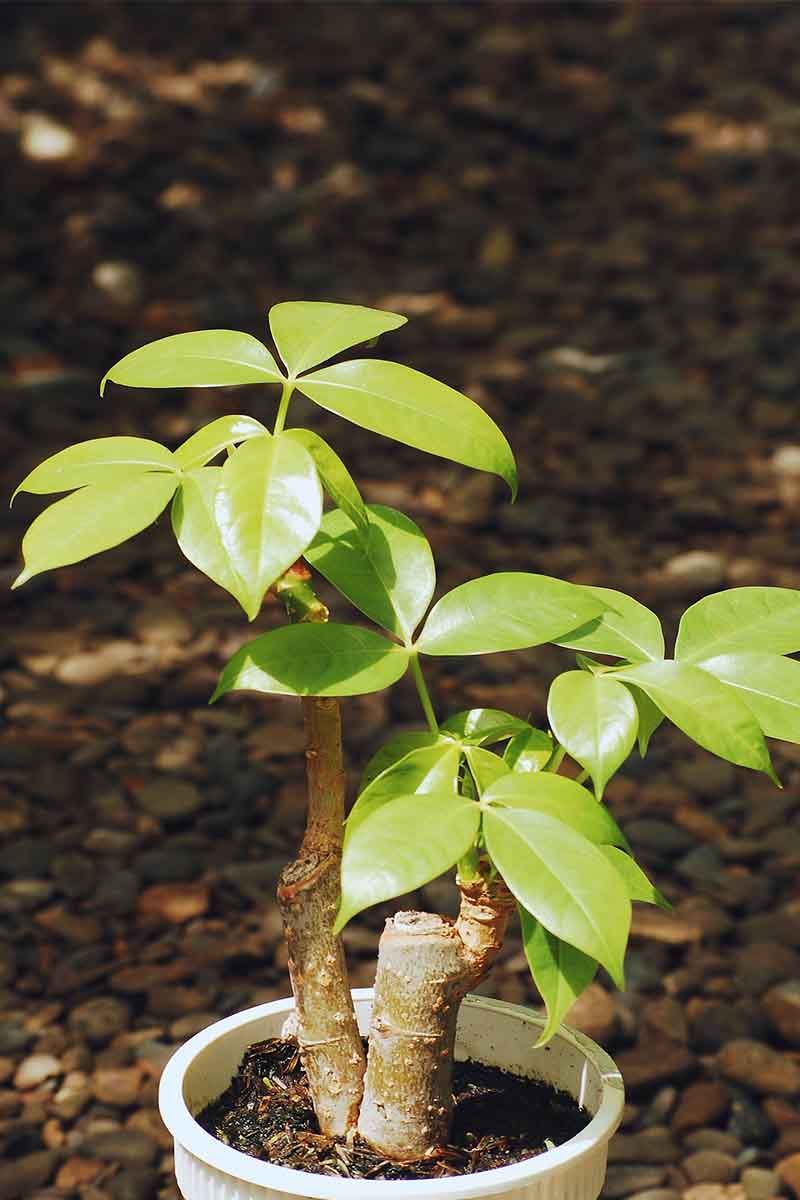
<point x="427" y="769"/>
<point x="650" y="717"/>
<point x="638" y="885"/>
<point x="314" y="660"/>
<point x="595" y="720"/>
<point x="705" y="709"/>
<point x="99" y="461"/>
<point x="625" y="630"/>
<point x="92" y="520"/>
<point x="197" y="532"/>
<point x="530" y="750"/>
<point x="768" y="684"/>
<point x="205" y="358"/>
<point x="396" y="748"/>
<point x="563" y="880"/>
<point x="215" y="437"/>
<point x="334" y="477"/>
<point x="404" y="404"/>
<point x="385" y="856"/>
<point x="310" y="332"/>
<point x="747" y="618"/>
<point x="561" y="798"/>
<point x="483" y="726"/>
<point x="510" y="610"/>
<point x="485" y="766"/>
<point x="268" y="507"/>
<point x="561" y="972"/>
<point x="390" y="577"/>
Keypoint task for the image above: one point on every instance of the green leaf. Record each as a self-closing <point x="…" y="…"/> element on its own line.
<point x="197" y="532"/>
<point x="626" y="629"/>
<point x="564" y="880"/>
<point x="92" y="520"/>
<point x="206" y="358"/>
<point x="507" y="611"/>
<point x="638" y="885"/>
<point x="314" y="660"/>
<point x="560" y="971"/>
<point x="650" y="717"/>
<point x="427" y="769"/>
<point x="595" y="720"/>
<point x="396" y="748"/>
<point x="482" y="726"/>
<point x="268" y="506"/>
<point x="385" y="856"/>
<point x="558" y="797"/>
<point x="334" y="476"/>
<point x="485" y="766"/>
<point x="530" y="750"/>
<point x="404" y="404"/>
<point x="310" y="332"/>
<point x="705" y="709"/>
<point x="768" y="684"/>
<point x="746" y="618"/>
<point x="390" y="578"/>
<point x="99" y="461"/>
<point x="215" y="437"/>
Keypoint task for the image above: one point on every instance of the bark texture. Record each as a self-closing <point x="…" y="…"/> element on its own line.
<point x="426" y="965"/>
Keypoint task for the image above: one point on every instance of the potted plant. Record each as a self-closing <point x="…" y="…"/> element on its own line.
<point x="481" y="792"/>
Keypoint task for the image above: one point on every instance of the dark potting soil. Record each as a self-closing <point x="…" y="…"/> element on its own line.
<point x="499" y="1119"/>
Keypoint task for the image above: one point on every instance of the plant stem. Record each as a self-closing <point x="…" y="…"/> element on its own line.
<point x="283" y="407"/>
<point x="309" y="892"/>
<point x="424" y="694"/>
<point x="555" y="762"/>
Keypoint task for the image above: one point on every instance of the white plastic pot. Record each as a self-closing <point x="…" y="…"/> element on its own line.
<point x="489" y="1031"/>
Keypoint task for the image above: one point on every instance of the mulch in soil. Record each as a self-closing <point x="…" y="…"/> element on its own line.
<point x="499" y="1119"/>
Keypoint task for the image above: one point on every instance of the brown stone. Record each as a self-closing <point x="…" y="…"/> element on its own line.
<point x="593" y="1013"/>
<point x="77" y="1171"/>
<point x="652" y="923"/>
<point x="174" y="902"/>
<point x="118" y="1086"/>
<point x="666" y="1016"/>
<point x="701" y="1104"/>
<point x="654" y="1060"/>
<point x="782" y="1005"/>
<point x="789" y="1171"/>
<point x="758" y="1066"/>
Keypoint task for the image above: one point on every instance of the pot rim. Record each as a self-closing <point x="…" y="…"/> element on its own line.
<point x="185" y="1130"/>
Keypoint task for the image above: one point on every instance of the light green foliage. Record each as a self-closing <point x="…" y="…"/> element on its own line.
<point x="389" y="576"/>
<point x="334" y="476"/>
<point x="207" y="358"/>
<point x="102" y="460"/>
<point x="385" y="856"/>
<point x="530" y="750"/>
<point x="649" y="717"/>
<point x="560" y="971"/>
<point x="507" y="611"/>
<point x="638" y="885"/>
<point x="267" y="506"/>
<point x="485" y="766"/>
<point x="403" y="404"/>
<point x="558" y="797"/>
<point x="310" y="332"/>
<point x="768" y="684"/>
<point x="746" y="618"/>
<point x="396" y="748"/>
<point x="595" y="720"/>
<point x="425" y="769"/>
<point x="625" y="630"/>
<point x="212" y="439"/>
<point x="483" y="726"/>
<point x="93" y="519"/>
<point x="314" y="660"/>
<point x="194" y="524"/>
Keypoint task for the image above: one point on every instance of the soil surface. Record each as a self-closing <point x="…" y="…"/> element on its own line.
<point x="499" y="1119"/>
<point x="589" y="213"/>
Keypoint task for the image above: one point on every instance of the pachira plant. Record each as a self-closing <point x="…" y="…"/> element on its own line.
<point x="515" y="812"/>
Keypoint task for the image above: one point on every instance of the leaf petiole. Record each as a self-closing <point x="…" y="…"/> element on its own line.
<point x="283" y="407"/>
<point x="424" y="694"/>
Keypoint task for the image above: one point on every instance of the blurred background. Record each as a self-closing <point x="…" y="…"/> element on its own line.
<point x="588" y="212"/>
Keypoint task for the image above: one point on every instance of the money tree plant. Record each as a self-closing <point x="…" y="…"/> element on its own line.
<point x="516" y="813"/>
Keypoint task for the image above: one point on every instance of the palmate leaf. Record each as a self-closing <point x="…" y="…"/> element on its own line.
<point x="530" y="750"/>
<point x="563" y="880"/>
<point x="561" y="972"/>
<point x="334" y="477"/>
<point x="404" y="404"/>
<point x="748" y="618"/>
<point x="396" y="748"/>
<point x="485" y="766"/>
<point x="215" y="437"/>
<point x="705" y="709"/>
<point x="310" y="332"/>
<point x="384" y="855"/>
<point x="558" y="797"/>
<point x="510" y="610"/>
<point x="205" y="358"/>
<point x="483" y="726"/>
<point x="427" y="769"/>
<point x="92" y="520"/>
<point x="99" y="461"/>
<point x="389" y="577"/>
<point x="638" y="885"/>
<point x="267" y="507"/>
<point x="768" y="684"/>
<point x="625" y="630"/>
<point x="595" y="720"/>
<point x="197" y="533"/>
<point x="314" y="660"/>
